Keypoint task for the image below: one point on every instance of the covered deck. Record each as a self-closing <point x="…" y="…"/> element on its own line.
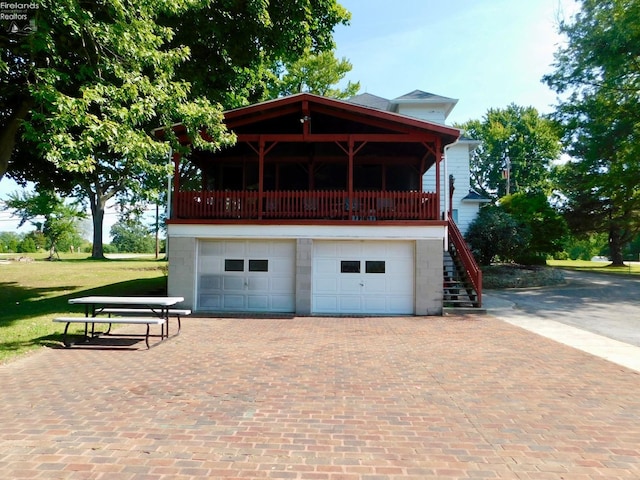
<point x="307" y="158"/>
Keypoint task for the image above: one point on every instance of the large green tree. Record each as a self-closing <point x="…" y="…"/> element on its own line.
<point x="317" y="73"/>
<point x="597" y="76"/>
<point x="518" y="147"/>
<point x="94" y="78"/>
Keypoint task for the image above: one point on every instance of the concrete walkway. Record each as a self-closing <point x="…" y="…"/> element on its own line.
<point x="598" y="345"/>
<point x="322" y="398"/>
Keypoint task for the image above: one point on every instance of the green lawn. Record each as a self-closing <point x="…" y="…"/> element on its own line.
<point x="32" y="293"/>
<point x="632" y="268"/>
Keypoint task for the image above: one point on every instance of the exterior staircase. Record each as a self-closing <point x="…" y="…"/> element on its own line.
<point x="462" y="278"/>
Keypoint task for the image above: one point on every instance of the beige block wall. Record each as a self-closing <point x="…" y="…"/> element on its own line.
<point x="182" y="270"/>
<point x="429" y="290"/>
<point x="304" y="259"/>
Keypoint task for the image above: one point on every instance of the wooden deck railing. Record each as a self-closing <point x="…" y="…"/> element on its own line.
<point x="464" y="253"/>
<point x="321" y="205"/>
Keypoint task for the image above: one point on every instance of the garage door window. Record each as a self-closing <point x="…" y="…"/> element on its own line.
<point x="374" y="266"/>
<point x="233" y="265"/>
<point x="258" y="265"/>
<point x="350" y="266"/>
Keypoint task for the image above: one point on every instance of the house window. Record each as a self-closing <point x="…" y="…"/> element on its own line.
<point x="258" y="265"/>
<point x="233" y="265"/>
<point x="374" y="266"/>
<point x="350" y="266"/>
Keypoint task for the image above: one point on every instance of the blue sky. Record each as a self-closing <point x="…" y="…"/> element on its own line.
<point x="485" y="53"/>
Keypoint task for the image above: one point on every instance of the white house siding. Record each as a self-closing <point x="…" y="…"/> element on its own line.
<point x="425" y="278"/>
<point x="458" y="166"/>
<point x="423" y="112"/>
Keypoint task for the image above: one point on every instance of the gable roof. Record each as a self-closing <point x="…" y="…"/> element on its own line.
<point x="416" y="97"/>
<point x="475" y="197"/>
<point x="304" y="104"/>
<point x="419" y="97"/>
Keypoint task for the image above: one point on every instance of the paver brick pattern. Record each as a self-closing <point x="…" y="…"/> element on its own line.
<point x="321" y="398"/>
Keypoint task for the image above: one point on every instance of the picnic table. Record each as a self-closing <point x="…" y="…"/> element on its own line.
<point x="157" y="310"/>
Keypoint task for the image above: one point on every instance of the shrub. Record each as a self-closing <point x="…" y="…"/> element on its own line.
<point x="494" y="234"/>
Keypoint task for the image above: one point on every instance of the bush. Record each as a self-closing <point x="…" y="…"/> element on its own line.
<point x="548" y="228"/>
<point x="496" y="235"/>
<point x="27" y="246"/>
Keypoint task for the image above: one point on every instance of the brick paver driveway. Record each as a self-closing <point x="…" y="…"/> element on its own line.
<point x="322" y="398"/>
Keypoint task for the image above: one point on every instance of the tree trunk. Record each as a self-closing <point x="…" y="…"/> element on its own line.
<point x="97" y="202"/>
<point x="615" y="247"/>
<point x="9" y="133"/>
<point x="99" y="194"/>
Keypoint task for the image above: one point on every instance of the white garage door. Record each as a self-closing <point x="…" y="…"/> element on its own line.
<point x="246" y="276"/>
<point x="363" y="277"/>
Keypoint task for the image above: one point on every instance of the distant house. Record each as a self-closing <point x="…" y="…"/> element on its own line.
<point x="325" y="207"/>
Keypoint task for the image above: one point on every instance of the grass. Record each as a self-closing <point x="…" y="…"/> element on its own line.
<point x="630" y="268"/>
<point x="33" y="292"/>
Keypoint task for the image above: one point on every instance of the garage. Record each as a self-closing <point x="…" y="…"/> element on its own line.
<point x="246" y="276"/>
<point x="363" y="277"/>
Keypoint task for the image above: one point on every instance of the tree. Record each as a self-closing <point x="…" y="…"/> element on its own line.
<point x="9" y="242"/>
<point x="95" y="77"/>
<point x="60" y="218"/>
<point x="546" y="226"/>
<point x="494" y="234"/>
<point x="314" y="73"/>
<point x="517" y="140"/>
<point x="597" y="75"/>
<point x="237" y="46"/>
<point x="132" y="236"/>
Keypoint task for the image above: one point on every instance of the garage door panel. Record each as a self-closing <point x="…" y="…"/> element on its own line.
<point x="326" y="303"/>
<point x="235" y="249"/>
<point x="210" y="282"/>
<point x="282" y="303"/>
<point x="210" y="301"/>
<point x="281" y="285"/>
<point x="325" y="249"/>
<point x="375" y="285"/>
<point x="326" y="285"/>
<point x="233" y="302"/>
<point x="400" y="303"/>
<point x="375" y="304"/>
<point x="350" y="304"/>
<point x="350" y="283"/>
<point x="279" y="267"/>
<point x="346" y="249"/>
<point x="209" y="249"/>
<point x="232" y="283"/>
<point x="258" y="302"/>
<point x="258" y="284"/>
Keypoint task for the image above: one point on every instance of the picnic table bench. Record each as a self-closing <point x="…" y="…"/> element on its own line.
<point x="148" y="321"/>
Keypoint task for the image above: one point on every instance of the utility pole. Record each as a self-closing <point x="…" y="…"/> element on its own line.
<point x="508" y="174"/>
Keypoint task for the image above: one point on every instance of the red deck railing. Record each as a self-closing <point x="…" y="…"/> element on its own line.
<point x="321" y="205"/>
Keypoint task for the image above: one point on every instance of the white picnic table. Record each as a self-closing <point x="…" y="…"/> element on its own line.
<point x="159" y="307"/>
